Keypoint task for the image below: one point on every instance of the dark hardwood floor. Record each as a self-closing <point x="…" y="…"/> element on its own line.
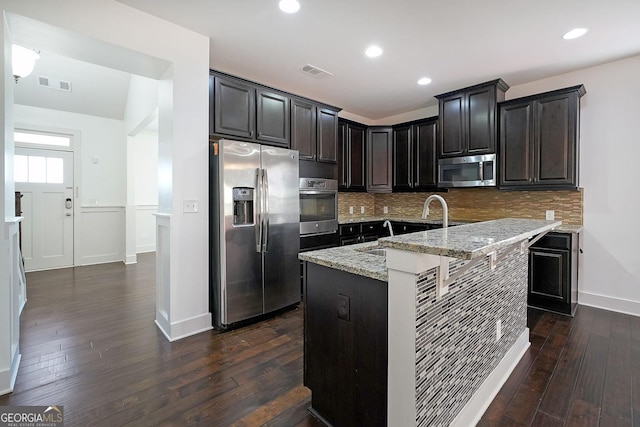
<point x="88" y="342"/>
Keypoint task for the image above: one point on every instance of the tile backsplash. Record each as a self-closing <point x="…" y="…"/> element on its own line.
<point x="476" y="204"/>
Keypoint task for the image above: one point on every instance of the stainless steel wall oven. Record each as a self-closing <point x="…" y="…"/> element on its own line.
<point x="318" y="212"/>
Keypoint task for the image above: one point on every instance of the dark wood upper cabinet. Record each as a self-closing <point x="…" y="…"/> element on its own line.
<point x="351" y="156"/>
<point x="539" y="140"/>
<point x="403" y="162"/>
<point x="303" y="128"/>
<point x="314" y="131"/>
<point x="467" y="119"/>
<point x="414" y="155"/>
<point x="272" y="117"/>
<point x="234" y="107"/>
<point x="426" y="163"/>
<point x="327" y="135"/>
<point x="248" y="111"/>
<point x="379" y="159"/>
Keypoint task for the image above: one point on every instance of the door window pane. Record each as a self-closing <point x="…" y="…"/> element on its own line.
<point x="21" y="168"/>
<point x="42" y="139"/>
<point x="37" y="169"/>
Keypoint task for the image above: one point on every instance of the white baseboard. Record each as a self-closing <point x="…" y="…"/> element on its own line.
<point x="184" y="328"/>
<point x="131" y="259"/>
<point x="609" y="303"/>
<point x="100" y="259"/>
<point x="8" y="376"/>
<point x="482" y="398"/>
<point x="145" y="248"/>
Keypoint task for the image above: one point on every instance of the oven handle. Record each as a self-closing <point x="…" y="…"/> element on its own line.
<point x="312" y="192"/>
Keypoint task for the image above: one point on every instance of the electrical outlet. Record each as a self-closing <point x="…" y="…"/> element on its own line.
<point x="361" y="209"/>
<point x="550" y="215"/>
<point x="344" y="311"/>
<point x="351" y="210"/>
<point x="385" y="209"/>
<point x="190" y="206"/>
<point x="498" y="329"/>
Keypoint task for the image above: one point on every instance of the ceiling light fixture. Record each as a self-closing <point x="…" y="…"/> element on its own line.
<point x="289" y="6"/>
<point x="575" y="33"/>
<point x="424" y="81"/>
<point x="23" y="60"/>
<point x="373" y="51"/>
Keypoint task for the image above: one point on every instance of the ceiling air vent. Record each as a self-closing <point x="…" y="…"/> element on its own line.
<point x="62" y="85"/>
<point x="315" y="72"/>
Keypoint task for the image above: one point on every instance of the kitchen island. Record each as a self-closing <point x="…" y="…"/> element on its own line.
<point x="453" y="303"/>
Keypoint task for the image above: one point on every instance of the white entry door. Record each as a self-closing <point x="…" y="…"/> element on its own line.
<point x="45" y="178"/>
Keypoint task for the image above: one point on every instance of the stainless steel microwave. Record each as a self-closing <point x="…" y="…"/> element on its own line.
<point x="468" y="171"/>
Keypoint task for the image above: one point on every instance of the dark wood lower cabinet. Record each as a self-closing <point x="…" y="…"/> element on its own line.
<point x="553" y="273"/>
<point x="345" y="346"/>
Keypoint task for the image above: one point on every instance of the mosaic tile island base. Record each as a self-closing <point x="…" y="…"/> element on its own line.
<point x="449" y="352"/>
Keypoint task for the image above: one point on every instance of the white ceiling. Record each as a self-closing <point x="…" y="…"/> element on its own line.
<point x="456" y="43"/>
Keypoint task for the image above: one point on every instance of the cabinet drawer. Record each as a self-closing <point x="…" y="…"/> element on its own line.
<point x="349" y="230"/>
<point x="370" y="228"/>
<point x="554" y="241"/>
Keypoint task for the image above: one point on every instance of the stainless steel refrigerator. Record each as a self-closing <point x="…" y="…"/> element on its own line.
<point x="255" y="230"/>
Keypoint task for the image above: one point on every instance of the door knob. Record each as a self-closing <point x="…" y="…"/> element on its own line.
<point x="68" y="213"/>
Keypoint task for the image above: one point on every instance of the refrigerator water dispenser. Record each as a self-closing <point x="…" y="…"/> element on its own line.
<point x="242" y="206"/>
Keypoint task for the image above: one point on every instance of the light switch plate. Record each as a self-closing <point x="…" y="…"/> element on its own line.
<point x="550" y="215"/>
<point x="361" y="209"/>
<point x="190" y="206"/>
<point x="385" y="209"/>
<point x="351" y="210"/>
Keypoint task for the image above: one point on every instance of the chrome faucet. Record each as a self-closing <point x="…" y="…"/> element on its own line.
<point x="445" y="209"/>
<point x="388" y="224"/>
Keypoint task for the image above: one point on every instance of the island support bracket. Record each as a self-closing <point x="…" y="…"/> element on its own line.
<point x="444" y="279"/>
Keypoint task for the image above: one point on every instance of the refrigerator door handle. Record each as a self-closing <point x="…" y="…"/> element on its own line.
<point x="265" y="183"/>
<point x="258" y="210"/>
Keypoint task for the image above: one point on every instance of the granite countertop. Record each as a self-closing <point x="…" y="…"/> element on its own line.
<point x="470" y="240"/>
<point x="351" y="259"/>
<point x="465" y="242"/>
<point x="568" y="228"/>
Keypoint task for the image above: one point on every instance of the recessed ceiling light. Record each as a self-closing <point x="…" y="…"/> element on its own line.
<point x="424" y="81"/>
<point x="289" y="6"/>
<point x="373" y="51"/>
<point x="575" y="33"/>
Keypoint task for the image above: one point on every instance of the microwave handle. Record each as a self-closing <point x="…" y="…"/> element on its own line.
<point x="481" y="174"/>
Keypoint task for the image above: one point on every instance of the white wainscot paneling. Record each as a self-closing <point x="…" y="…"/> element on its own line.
<point x="146" y="228"/>
<point x="102" y="234"/>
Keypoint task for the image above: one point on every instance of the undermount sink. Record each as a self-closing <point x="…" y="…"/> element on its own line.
<point x="380" y="252"/>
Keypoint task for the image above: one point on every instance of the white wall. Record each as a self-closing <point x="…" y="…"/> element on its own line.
<point x="609" y="174"/>
<point x="109" y="33"/>
<point x="143" y="149"/>
<point x="102" y="151"/>
<point x="99" y="233"/>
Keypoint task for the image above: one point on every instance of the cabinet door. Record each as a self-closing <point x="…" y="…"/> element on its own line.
<point x="402" y="158"/>
<point x="355" y="155"/>
<point x="425" y="171"/>
<point x="516" y="144"/>
<point x="303" y="129"/>
<point x="379" y="149"/>
<point x="234" y="108"/>
<point x="556" y="139"/>
<point x="343" y="157"/>
<point x="327" y="135"/>
<point x="272" y="123"/>
<point x="549" y="278"/>
<point x="480" y="120"/>
<point x="452" y="126"/>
